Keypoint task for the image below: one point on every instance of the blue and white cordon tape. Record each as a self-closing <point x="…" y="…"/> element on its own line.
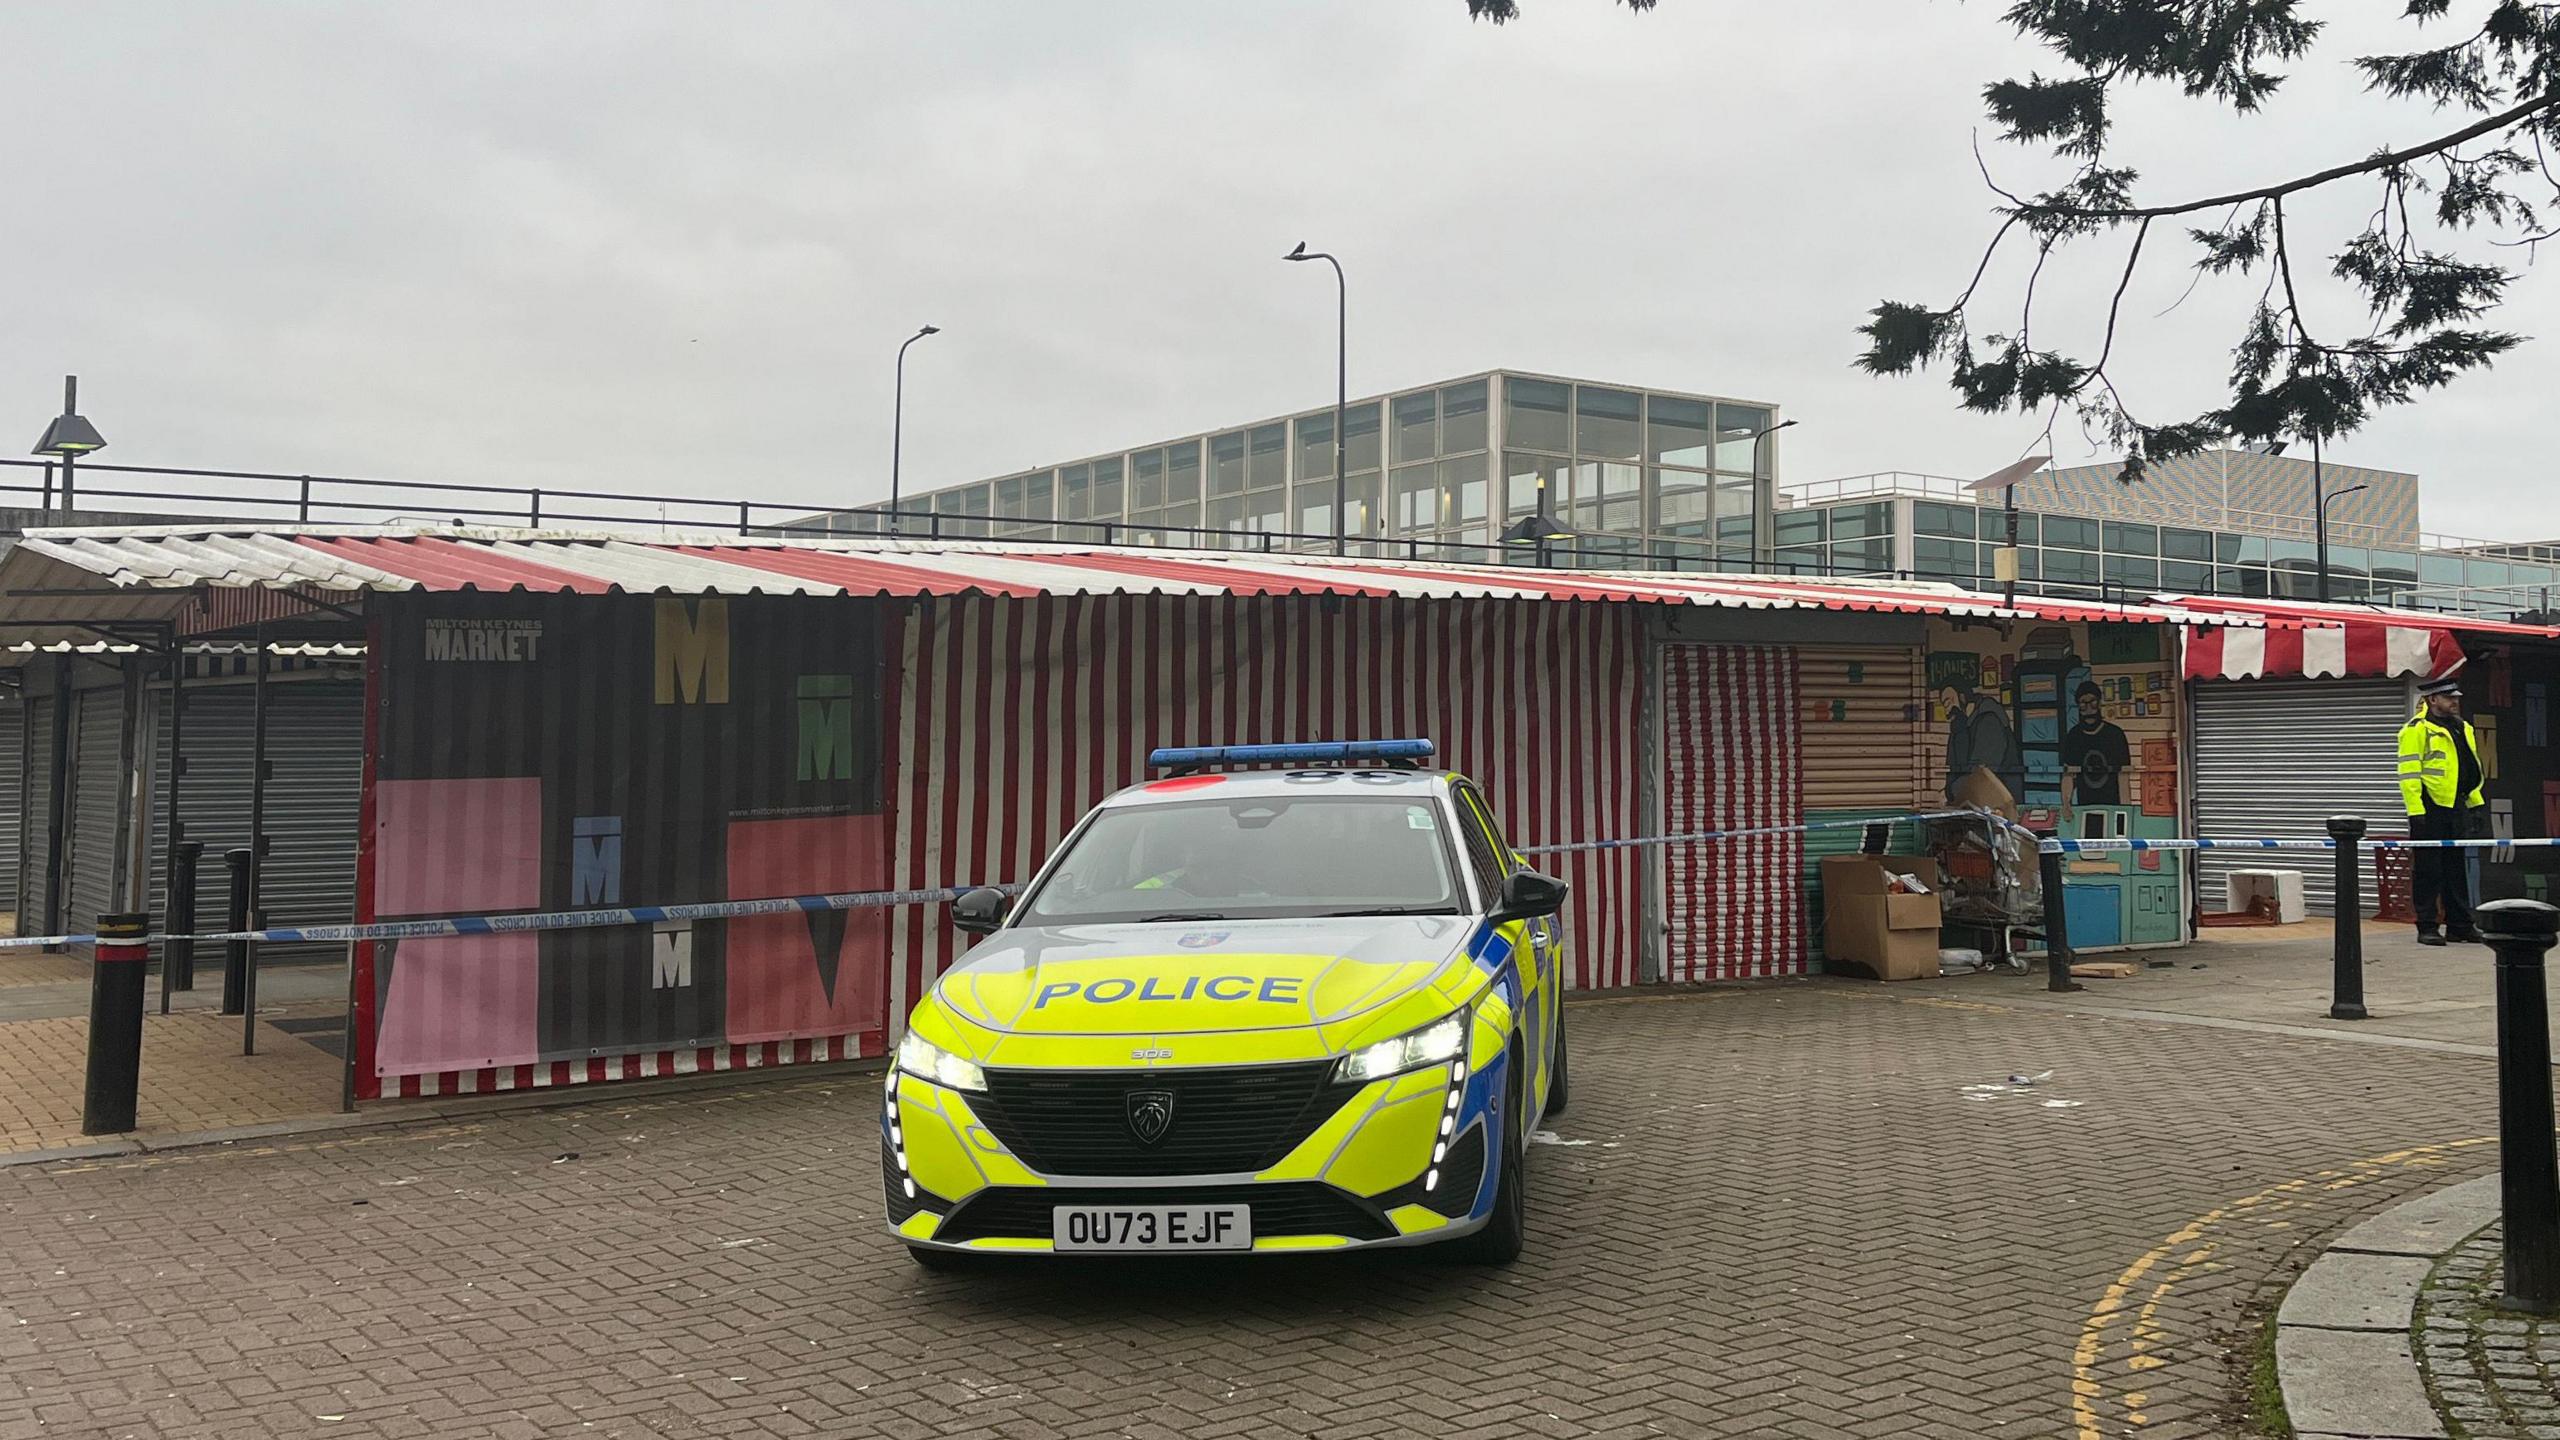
<point x="2060" y="846"/>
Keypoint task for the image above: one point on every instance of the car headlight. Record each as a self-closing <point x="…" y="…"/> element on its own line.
<point x="927" y="1061"/>
<point x="1436" y="1043"/>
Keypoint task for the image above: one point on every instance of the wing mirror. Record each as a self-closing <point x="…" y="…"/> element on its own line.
<point x="1528" y="895"/>
<point x="981" y="911"/>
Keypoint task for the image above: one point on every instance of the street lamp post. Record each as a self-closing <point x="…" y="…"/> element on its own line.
<point x="2324" y="532"/>
<point x="898" y="423"/>
<point x="2005" y="480"/>
<point x="1341" y="378"/>
<point x="1763" y="546"/>
<point x="69" y="437"/>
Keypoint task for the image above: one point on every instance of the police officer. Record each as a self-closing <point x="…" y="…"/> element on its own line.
<point x="2440" y="787"/>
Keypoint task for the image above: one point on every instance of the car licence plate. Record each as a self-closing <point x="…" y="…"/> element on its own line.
<point x="1151" y="1227"/>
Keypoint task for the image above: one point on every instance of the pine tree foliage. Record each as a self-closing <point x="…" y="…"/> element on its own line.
<point x="2430" y="261"/>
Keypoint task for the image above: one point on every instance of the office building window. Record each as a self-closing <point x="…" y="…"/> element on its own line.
<point x="1075" y="492"/>
<point x="1850" y="522"/>
<point x="1106" y="488"/>
<point x="1532" y="482"/>
<point x="1182" y="474"/>
<point x="1952" y="521"/>
<point x="1413" y="498"/>
<point x="2177" y="544"/>
<point x="1937" y="559"/>
<point x="2070" y="533"/>
<point x="1226" y="464"/>
<point x="1795" y="527"/>
<point x="1267" y="458"/>
<point x="1535" y="415"/>
<point x="2068" y="567"/>
<point x="2185" y="577"/>
<point x="1417" y="427"/>
<point x="1360" y="438"/>
<point x="1608" y="424"/>
<point x="2127" y="539"/>
<point x="1146" y="483"/>
<point x="2127" y="572"/>
<point x="1678" y="431"/>
<point x="1737" y="449"/>
<point x="1462" y="490"/>
<point x="1463" y="418"/>
<point x="1315" y="446"/>
<point x="1683" y="501"/>
<point x="1607" y="496"/>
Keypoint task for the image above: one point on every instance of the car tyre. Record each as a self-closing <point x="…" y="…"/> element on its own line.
<point x="1557" y="1090"/>
<point x="1506" y="1231"/>
<point x="940" y="1262"/>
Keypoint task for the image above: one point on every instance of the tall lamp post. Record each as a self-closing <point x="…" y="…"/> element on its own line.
<point x="1341" y="377"/>
<point x="898" y="423"/>
<point x="2324" y="537"/>
<point x="2005" y="480"/>
<point x="70" y="437"/>
<point x="1763" y="544"/>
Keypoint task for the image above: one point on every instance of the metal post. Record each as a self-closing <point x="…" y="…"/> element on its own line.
<point x="177" y="957"/>
<point x="44" y="505"/>
<point x="2346" y="956"/>
<point x="257" y="842"/>
<point x="2520" y="931"/>
<point x="115" y="1024"/>
<point x="57" y="818"/>
<point x="1342" y="402"/>
<point x="66" y="485"/>
<point x="235" y="918"/>
<point x="533" y="516"/>
<point x="2319" y="522"/>
<point x="178" y="962"/>
<point x="2057" y="920"/>
<point x="898" y="424"/>
<point x="302" y="503"/>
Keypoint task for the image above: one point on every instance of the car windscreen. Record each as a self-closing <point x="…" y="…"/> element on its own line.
<point x="1264" y="857"/>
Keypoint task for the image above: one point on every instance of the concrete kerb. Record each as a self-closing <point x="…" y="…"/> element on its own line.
<point x="2343" y="1352"/>
<point x="406" y="1114"/>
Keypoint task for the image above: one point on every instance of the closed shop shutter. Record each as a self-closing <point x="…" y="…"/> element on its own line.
<point x="1861" y="707"/>
<point x="315" y="761"/>
<point x="13" y="736"/>
<point x="1732" y="760"/>
<point x="37" y="818"/>
<point x="2277" y="758"/>
<point x="98" y="801"/>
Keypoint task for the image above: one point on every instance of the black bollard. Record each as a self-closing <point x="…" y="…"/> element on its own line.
<point x="2057" y="920"/>
<point x="2346" y="957"/>
<point x="180" y="959"/>
<point x="2520" y="931"/>
<point x="235" y="953"/>
<point x="115" y="1024"/>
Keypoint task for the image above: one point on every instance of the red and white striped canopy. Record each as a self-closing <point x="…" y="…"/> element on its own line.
<point x="2321" y="651"/>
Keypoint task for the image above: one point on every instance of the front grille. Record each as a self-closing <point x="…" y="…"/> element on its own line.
<point x="1299" y="1208"/>
<point x="1227" y="1120"/>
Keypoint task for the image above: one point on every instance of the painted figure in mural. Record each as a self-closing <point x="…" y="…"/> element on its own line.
<point x="2095" y="752"/>
<point x="2440" y="776"/>
<point x="1979" y="733"/>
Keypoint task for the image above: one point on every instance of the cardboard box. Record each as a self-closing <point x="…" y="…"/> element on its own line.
<point x="1867" y="927"/>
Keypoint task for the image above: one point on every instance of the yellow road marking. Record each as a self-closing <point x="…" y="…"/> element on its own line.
<point x="2185" y="1251"/>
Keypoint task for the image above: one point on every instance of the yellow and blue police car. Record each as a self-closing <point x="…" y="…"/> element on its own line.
<point x="1261" y="1010"/>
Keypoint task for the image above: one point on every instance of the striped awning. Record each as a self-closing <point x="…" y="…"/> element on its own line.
<point x="94" y="576"/>
<point x="2321" y="652"/>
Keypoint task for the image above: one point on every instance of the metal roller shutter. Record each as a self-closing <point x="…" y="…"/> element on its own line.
<point x="315" y="760"/>
<point x="37" y="817"/>
<point x="2277" y="758"/>
<point x="99" y="799"/>
<point x="13" y="736"/>
<point x="1861" y="737"/>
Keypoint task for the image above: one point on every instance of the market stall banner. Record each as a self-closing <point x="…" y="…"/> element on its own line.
<point x="555" y="752"/>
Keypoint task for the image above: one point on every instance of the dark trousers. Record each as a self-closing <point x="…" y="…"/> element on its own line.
<point x="2441" y="876"/>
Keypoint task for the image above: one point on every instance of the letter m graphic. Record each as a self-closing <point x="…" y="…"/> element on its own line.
<point x="595" y="860"/>
<point x="671" y="955"/>
<point x="693" y="652"/>
<point x="826" y="727"/>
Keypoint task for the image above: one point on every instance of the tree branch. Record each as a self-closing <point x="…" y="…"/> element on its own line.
<point x="2366" y="166"/>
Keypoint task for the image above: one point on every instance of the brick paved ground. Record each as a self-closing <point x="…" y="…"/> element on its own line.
<point x="2494" y="1374"/>
<point x="193" y="1078"/>
<point x="1794" y="1215"/>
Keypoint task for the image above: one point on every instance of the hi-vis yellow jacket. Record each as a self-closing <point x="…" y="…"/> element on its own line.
<point x="2429" y="768"/>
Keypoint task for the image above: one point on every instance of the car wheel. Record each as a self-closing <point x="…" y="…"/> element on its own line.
<point x="1507" y="1229"/>
<point x="940" y="1262"/>
<point x="1557" y="1090"/>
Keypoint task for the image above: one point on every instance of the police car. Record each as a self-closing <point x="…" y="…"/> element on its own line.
<point x="1310" y="1008"/>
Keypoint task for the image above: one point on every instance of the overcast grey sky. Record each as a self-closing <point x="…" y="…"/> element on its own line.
<point x="673" y="247"/>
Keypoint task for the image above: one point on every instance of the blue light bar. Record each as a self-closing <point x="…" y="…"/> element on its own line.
<point x="1337" y="752"/>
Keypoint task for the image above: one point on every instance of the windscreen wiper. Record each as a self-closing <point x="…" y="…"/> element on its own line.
<point x="1185" y="915"/>
<point x="1390" y="910"/>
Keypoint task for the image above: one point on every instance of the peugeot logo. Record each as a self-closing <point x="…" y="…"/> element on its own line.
<point x="1150" y="1114"/>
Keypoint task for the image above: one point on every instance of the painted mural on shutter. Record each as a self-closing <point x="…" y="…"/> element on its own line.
<point x="1015" y="716"/>
<point x="1733" y="760"/>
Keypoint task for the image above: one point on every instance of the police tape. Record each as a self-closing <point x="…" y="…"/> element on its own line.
<point x="2059" y="846"/>
<point x="535" y="921"/>
<point x="1704" y="837"/>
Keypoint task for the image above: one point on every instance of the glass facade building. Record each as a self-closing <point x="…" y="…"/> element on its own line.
<point x="1640" y="478"/>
